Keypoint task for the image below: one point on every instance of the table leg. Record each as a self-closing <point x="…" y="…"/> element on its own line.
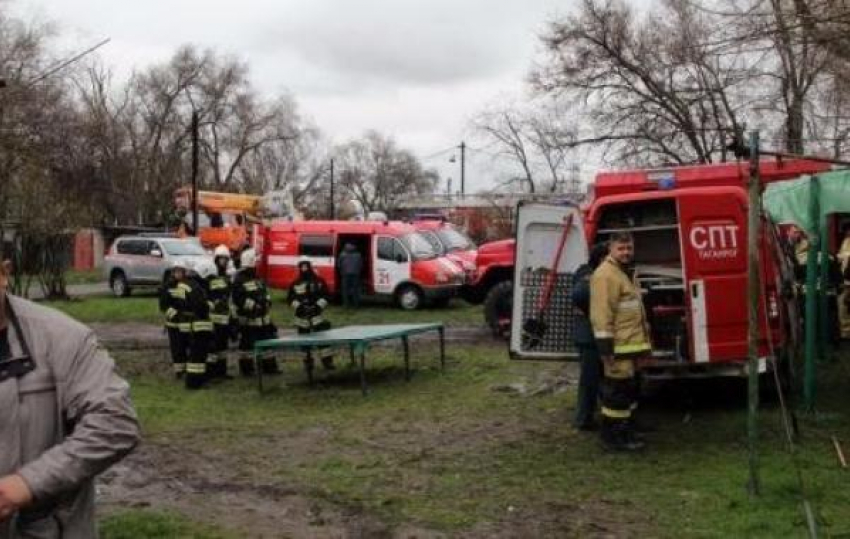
<point x="442" y="332"/>
<point x="309" y="365"/>
<point x="352" y="360"/>
<point x="259" y="371"/>
<point x="406" y="344"/>
<point x="363" y="388"/>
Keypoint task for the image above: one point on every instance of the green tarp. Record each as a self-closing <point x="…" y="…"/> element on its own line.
<point x="788" y="202"/>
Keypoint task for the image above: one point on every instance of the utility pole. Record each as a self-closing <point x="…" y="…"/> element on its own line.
<point x="195" y="122"/>
<point x="333" y="208"/>
<point x="754" y="293"/>
<point x="462" y="168"/>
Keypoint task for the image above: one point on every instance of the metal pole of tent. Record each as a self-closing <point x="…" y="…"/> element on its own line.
<point x="811" y="296"/>
<point x="753" y="288"/>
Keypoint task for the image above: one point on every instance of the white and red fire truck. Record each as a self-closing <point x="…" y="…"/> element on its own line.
<point x="690" y="228"/>
<point x="398" y="261"/>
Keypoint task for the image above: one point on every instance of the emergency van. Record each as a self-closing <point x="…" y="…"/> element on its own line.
<point x="690" y="231"/>
<point x="450" y="242"/>
<point x="398" y="262"/>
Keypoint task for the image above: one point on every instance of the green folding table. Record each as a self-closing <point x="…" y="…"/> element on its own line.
<point x="357" y="338"/>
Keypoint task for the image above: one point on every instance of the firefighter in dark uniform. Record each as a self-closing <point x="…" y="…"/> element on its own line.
<point x="202" y="329"/>
<point x="308" y="296"/>
<point x="186" y="317"/>
<point x="218" y="297"/>
<point x="174" y="304"/>
<point x="622" y="336"/>
<point x="252" y="304"/>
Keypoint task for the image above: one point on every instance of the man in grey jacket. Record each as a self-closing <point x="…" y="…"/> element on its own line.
<point x="65" y="416"/>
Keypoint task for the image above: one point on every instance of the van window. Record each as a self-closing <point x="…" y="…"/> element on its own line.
<point x="316" y="245"/>
<point x="389" y="249"/>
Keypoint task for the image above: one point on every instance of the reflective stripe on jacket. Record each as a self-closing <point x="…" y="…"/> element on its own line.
<point x="616" y="312"/>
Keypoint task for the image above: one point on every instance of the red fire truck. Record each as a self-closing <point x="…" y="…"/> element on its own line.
<point x="398" y="262"/>
<point x="690" y="230"/>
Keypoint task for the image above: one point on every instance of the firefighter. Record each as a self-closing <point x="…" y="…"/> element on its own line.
<point x="216" y="357"/>
<point x="252" y="303"/>
<point x="218" y="296"/>
<point x="622" y="336"/>
<point x="202" y="328"/>
<point x="174" y="304"/>
<point x="308" y="296"/>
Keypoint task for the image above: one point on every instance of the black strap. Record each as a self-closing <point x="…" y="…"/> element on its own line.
<point x="16" y="366"/>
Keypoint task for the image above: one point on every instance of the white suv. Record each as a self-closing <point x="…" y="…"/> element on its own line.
<point x="146" y="261"/>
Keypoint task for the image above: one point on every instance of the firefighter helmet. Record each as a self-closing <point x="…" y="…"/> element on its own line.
<point x="181" y="263"/>
<point x="206" y="269"/>
<point x="248" y="259"/>
<point x="305" y="262"/>
<point x="221" y="250"/>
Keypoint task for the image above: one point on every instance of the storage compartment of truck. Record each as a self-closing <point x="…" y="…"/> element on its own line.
<point x="658" y="268"/>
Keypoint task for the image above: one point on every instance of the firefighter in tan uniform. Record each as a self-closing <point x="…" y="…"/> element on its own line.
<point x="622" y="336"/>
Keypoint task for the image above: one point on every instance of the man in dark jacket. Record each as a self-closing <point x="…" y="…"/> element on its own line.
<point x="308" y="297"/>
<point x="588" y="385"/>
<point x="350" y="271"/>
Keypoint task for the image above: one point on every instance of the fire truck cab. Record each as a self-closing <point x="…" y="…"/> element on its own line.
<point x="690" y="231"/>
<point x="398" y="261"/>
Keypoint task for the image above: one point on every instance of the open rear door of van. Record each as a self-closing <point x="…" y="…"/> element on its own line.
<point x="541" y="229"/>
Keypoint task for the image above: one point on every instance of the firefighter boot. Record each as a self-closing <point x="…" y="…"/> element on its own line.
<point x="246" y="366"/>
<point x="616" y="436"/>
<point x="196" y="375"/>
<point x="632" y="441"/>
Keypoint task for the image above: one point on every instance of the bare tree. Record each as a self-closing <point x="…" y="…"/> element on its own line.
<point x="653" y="88"/>
<point x="537" y="137"/>
<point x="379" y="175"/>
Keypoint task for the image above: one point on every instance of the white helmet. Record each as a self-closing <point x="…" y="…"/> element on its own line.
<point x="181" y="263"/>
<point x="248" y="259"/>
<point x="221" y="250"/>
<point x="206" y="269"/>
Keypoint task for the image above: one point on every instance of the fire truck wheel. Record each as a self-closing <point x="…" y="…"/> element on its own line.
<point x="497" y="308"/>
<point x="119" y="285"/>
<point x="409" y="297"/>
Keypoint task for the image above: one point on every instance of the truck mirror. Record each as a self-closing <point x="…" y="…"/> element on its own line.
<point x="156" y="252"/>
<point x="401" y="259"/>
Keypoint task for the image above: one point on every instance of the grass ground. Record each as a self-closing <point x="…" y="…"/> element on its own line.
<point x="84" y="276"/>
<point x="143" y="307"/>
<point x="456" y="453"/>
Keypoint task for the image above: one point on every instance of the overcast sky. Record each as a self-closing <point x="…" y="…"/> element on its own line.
<point x="413" y="69"/>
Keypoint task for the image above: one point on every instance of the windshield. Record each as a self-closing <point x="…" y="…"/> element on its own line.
<point x="454" y="240"/>
<point x="419" y="247"/>
<point x="435" y="242"/>
<point x="182" y="247"/>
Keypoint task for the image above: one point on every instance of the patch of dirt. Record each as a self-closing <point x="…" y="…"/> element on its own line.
<point x="190" y="483"/>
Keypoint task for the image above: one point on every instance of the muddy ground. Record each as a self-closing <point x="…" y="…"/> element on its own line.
<point x="233" y="489"/>
<point x="230" y="490"/>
